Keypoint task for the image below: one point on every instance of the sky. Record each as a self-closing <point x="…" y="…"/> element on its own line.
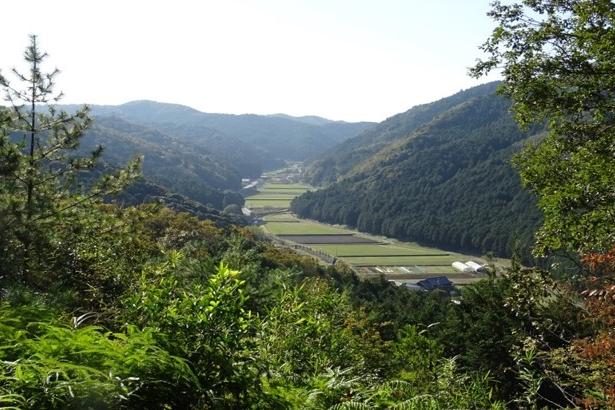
<point x="352" y="60"/>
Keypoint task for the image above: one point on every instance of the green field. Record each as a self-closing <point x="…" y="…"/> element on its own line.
<point x="275" y="195"/>
<point x="266" y="195"/>
<point x="267" y="203"/>
<point x="281" y="217"/>
<point x="405" y="260"/>
<point x="286" y="186"/>
<point x="439" y="269"/>
<point x="380" y="255"/>
<point x="303" y="227"/>
<point x="290" y="192"/>
<point x="375" y="249"/>
<point x="402" y="260"/>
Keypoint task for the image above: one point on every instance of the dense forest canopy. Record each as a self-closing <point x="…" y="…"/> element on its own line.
<point x="558" y="66"/>
<point x="340" y="161"/>
<point x="132" y="307"/>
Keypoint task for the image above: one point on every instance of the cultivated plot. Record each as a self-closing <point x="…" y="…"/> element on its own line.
<point x="301" y="228"/>
<point x="268" y="194"/>
<point x="267" y="203"/>
<point x="275" y="196"/>
<point x="281" y="217"/>
<point x="281" y="191"/>
<point x="377" y="250"/>
<point x="285" y="186"/>
<point x="322" y="239"/>
<point x="402" y="260"/>
<point x="396" y="260"/>
<point x="412" y="270"/>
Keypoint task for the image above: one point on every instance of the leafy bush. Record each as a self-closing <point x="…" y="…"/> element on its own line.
<point x="47" y="364"/>
<point x="200" y="316"/>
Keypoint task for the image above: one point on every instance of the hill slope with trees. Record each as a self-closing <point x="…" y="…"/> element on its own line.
<point x="340" y="161"/>
<point x="178" y="167"/>
<point x="274" y="138"/>
<point x="449" y="183"/>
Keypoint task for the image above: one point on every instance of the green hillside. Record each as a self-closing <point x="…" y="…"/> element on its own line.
<point x="449" y="183"/>
<point x="340" y="161"/>
<point x="192" y="172"/>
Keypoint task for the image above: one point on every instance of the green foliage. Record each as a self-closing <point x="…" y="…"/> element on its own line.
<point x="450" y="389"/>
<point x="185" y="169"/>
<point x="313" y="328"/>
<point x="143" y="307"/>
<point x="340" y="162"/>
<point x="558" y="62"/>
<point x="416" y="356"/>
<point x="232" y="209"/>
<point x="38" y="186"/>
<point x="46" y="364"/>
<point x="200" y="316"/>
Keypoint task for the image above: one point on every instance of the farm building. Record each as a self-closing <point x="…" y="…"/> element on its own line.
<point x="461" y="267"/>
<point x="437" y="282"/>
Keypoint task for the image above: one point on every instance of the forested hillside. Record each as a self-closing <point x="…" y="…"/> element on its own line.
<point x="176" y="166"/>
<point x="185" y="152"/>
<point x="449" y="183"/>
<point x="340" y="161"/>
<point x="279" y="137"/>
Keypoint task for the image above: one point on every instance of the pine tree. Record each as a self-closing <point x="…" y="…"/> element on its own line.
<point x="41" y="183"/>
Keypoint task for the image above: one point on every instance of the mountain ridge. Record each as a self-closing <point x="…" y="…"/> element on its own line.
<point x="342" y="158"/>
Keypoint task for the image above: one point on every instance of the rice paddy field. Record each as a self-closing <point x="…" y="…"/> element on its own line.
<point x="314" y="239"/>
<point x="267" y="203"/>
<point x="275" y="196"/>
<point x="370" y="255"/>
<point x="301" y="228"/>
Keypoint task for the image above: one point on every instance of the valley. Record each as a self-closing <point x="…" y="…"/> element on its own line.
<point x="155" y="256"/>
<point x="369" y="256"/>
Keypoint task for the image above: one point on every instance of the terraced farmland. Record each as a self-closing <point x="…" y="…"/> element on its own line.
<point x="301" y="228"/>
<point x="378" y="250"/>
<point x="275" y="196"/>
<point x="270" y="186"/>
<point x="371" y="256"/>
<point x="267" y="203"/>
<point x="402" y="260"/>
<point x="344" y="238"/>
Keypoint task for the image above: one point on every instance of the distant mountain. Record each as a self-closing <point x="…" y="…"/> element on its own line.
<point x="248" y="159"/>
<point x="271" y="139"/>
<point x="204" y="156"/>
<point x="308" y="119"/>
<point x="448" y="181"/>
<point x="340" y="161"/>
<point x="178" y="167"/>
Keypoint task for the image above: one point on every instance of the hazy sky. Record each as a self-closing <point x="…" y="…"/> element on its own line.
<point x="341" y="59"/>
